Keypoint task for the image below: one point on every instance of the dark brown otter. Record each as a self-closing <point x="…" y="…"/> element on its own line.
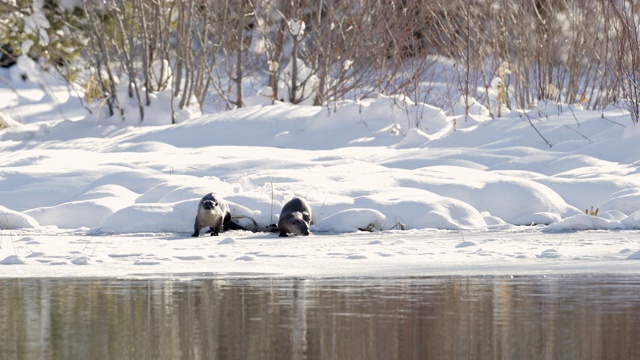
<point x="213" y="213"/>
<point x="295" y="218"/>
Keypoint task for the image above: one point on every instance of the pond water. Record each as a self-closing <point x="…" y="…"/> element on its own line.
<point x="560" y="317"/>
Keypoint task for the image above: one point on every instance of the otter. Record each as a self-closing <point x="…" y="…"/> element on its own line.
<point x="214" y="213"/>
<point x="295" y="218"/>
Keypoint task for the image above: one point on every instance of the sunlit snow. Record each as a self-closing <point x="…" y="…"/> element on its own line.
<point x="81" y="195"/>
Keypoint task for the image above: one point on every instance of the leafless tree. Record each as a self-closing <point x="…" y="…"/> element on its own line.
<point x="585" y="52"/>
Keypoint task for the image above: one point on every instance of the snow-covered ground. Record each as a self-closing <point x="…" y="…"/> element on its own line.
<point x="454" y="195"/>
<point x="363" y="254"/>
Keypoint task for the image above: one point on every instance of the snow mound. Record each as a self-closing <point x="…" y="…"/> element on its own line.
<point x="632" y="221"/>
<point x="626" y="201"/>
<point x="415" y="138"/>
<point x="152" y="217"/>
<point x="550" y="254"/>
<point x="353" y="220"/>
<point x="634" y="256"/>
<point x="422" y="209"/>
<point x="88" y="210"/>
<point x="7" y="121"/>
<point x="10" y="219"/>
<point x="227" y="241"/>
<point x="77" y="214"/>
<point x="465" y="244"/>
<point x="13" y="260"/>
<point x="585" y="222"/>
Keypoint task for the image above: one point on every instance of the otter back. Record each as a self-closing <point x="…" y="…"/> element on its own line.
<point x="214" y="213"/>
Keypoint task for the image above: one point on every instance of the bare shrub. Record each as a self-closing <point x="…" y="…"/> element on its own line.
<point x="502" y="53"/>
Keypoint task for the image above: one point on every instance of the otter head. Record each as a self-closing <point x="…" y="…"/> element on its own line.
<point x="297" y="224"/>
<point x="208" y="204"/>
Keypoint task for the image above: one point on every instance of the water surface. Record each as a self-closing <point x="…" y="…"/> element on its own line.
<point x="564" y="317"/>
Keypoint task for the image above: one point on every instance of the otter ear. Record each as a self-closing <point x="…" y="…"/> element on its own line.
<point x="306" y="216"/>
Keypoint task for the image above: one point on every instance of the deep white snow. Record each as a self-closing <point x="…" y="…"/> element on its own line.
<point x="81" y="195"/>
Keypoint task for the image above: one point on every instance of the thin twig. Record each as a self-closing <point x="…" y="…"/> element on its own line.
<point x="536" y="129"/>
<point x="455" y="210"/>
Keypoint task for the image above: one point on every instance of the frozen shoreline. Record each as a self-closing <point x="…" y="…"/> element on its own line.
<point x="389" y="254"/>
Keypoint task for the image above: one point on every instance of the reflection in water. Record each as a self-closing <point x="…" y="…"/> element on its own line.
<point x="454" y="317"/>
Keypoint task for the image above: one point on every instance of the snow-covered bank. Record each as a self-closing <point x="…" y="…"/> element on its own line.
<point x="361" y="165"/>
<point x="81" y="174"/>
